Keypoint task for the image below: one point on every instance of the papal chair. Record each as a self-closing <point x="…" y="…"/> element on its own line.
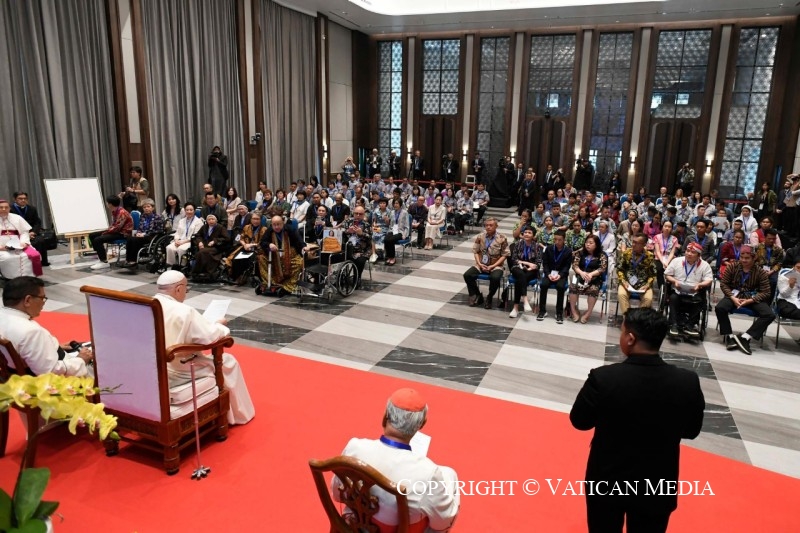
<point x="357" y="479"/>
<point x="131" y="356"/>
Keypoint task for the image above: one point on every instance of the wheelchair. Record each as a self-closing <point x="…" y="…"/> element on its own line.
<point x="667" y="293"/>
<point x="188" y="261"/>
<point x="327" y="275"/>
<point x="154" y="255"/>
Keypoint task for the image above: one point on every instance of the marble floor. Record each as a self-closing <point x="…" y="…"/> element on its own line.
<point x="412" y="320"/>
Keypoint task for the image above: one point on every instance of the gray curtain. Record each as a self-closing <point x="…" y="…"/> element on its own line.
<point x="57" y="111"/>
<point x="289" y="85"/>
<point x="192" y="93"/>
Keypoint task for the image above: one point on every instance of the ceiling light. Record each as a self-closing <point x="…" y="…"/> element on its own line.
<point x="429" y="7"/>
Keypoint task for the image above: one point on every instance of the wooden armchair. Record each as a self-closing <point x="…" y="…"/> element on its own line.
<point x="357" y="478"/>
<point x="130" y="352"/>
<point x="31" y="414"/>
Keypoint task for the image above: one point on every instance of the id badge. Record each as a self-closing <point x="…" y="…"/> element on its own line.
<point x="766" y="268"/>
<point x="735" y="293"/>
<point x="633" y="280"/>
<point x="396" y="229"/>
<point x="554" y="273"/>
<point x="238" y="238"/>
<point x="485" y="259"/>
<point x="353" y="240"/>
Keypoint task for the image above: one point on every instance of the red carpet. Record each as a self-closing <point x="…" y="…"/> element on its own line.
<point x="260" y="478"/>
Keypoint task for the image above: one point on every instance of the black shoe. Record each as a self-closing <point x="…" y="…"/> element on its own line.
<point x="559" y="319"/>
<point x="693" y="332"/>
<point x="730" y="344"/>
<point x="743" y="344"/>
<point x="480" y="300"/>
<point x="45" y="264"/>
<point x="673" y="331"/>
<point x="541" y="316"/>
<point x="488" y="304"/>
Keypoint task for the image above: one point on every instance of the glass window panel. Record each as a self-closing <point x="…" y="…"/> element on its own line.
<point x="487" y="81"/>
<point x="744" y="80"/>
<point x="431" y="81"/>
<point x="767" y="44"/>
<point x="397" y="55"/>
<point x="449" y="103"/>
<point x="755" y="122"/>
<point x="430" y="103"/>
<point x="500" y="81"/>
<point x="748" y="42"/>
<point x="499" y="99"/>
<point x="390" y="101"/>
<point x="484" y="140"/>
<point x="692" y="77"/>
<point x="484" y="112"/>
<point x="397" y="110"/>
<point x="449" y="81"/>
<point x="451" y="54"/>
<point x="733" y="150"/>
<point x="397" y="82"/>
<point x="762" y="79"/>
<point x="384" y="137"/>
<point x="552" y="65"/>
<point x="492" y="97"/>
<point x="431" y="55"/>
<point x="751" y="151"/>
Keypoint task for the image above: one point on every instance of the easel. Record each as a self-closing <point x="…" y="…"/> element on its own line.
<point x="80" y="238"/>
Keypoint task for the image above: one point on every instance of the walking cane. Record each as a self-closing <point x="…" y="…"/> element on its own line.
<point x="201" y="471"/>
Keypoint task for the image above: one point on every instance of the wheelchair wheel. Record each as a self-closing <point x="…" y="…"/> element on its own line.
<point x="347" y="279"/>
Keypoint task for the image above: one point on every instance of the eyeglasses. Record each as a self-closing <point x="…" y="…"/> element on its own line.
<point x="43" y="298"/>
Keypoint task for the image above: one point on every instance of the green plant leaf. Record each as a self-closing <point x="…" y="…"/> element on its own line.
<point x="28" y="492"/>
<point x="5" y="511"/>
<point x="45" y="509"/>
<point x="32" y="526"/>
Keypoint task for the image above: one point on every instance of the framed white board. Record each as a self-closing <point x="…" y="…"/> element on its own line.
<point x="77" y="205"/>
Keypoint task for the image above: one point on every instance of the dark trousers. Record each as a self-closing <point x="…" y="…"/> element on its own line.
<point x="605" y="517"/>
<point x="759" y="327"/>
<point x="461" y="220"/>
<point x="684" y="311"/>
<point x="360" y="260"/>
<point x="389" y="242"/>
<point x="471" y="279"/>
<point x="134" y="244"/>
<point x="420" y="234"/>
<point x="521" y="280"/>
<point x="40" y="246"/>
<point x="788" y="310"/>
<point x="100" y="239"/>
<point x="561" y="287"/>
<point x="481" y="210"/>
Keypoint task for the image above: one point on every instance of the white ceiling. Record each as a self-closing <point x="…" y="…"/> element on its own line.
<point x="354" y="17"/>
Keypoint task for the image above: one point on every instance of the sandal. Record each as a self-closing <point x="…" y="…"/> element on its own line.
<point x="584" y="319"/>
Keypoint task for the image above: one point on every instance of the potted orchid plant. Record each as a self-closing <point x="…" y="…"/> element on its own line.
<point x="66" y="398"/>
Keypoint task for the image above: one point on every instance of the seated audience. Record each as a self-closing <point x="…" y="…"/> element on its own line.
<point x="17" y="256"/>
<point x="231" y="204"/>
<point x="358" y="233"/>
<point x="419" y="216"/>
<point x="436" y="218"/>
<point x="212" y="242"/>
<point x="689" y="278"/>
<point x="556" y="262"/>
<point x="589" y="264"/>
<point x="322" y="221"/>
<point x="758" y="236"/>
<point x="23" y="300"/>
<point x="665" y="247"/>
<point x="381" y="224"/>
<point x="789" y="293"/>
<point x="120" y="228"/>
<point x="480" y="198"/>
<point x="212" y="207"/>
<point x="576" y="236"/>
<point x="241" y="220"/>
<point x="636" y="272"/>
<point x="608" y="243"/>
<point x="150" y="225"/>
<point x="185" y="231"/>
<point x="434" y="509"/>
<point x="185" y="325"/>
<point x="340" y="211"/>
<point x="489" y="250"/>
<point x="702" y="238"/>
<point x="172" y="213"/>
<point x="247" y="242"/>
<point x="282" y="259"/>
<point x="526" y="256"/>
<point x="729" y="251"/>
<point x="744" y="286"/>
<point x="749" y="222"/>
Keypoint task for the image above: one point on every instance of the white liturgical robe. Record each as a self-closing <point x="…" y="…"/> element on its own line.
<point x="14" y="232"/>
<point x="184" y="324"/>
<point x="37" y="347"/>
<point x="438" y="502"/>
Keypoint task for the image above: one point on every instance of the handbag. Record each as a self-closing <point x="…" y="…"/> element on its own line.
<point x="48" y="238"/>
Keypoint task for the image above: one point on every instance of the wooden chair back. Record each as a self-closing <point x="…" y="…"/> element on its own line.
<point x="31" y="414"/>
<point x="357" y="479"/>
<point x="127" y="332"/>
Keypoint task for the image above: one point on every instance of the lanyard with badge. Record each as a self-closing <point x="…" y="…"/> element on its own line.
<point x="742" y="281"/>
<point x="485" y="258"/>
<point x="557" y="260"/>
<point x="634" y="279"/>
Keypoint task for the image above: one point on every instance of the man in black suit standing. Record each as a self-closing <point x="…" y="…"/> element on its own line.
<point x="450" y="169"/>
<point x="374" y="162"/>
<point x="477" y="167"/>
<point x="640" y="410"/>
<point x="417" y="168"/>
<point x="395" y="162"/>
<point x="31" y="216"/>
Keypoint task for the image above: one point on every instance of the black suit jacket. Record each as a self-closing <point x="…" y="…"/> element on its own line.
<point x="640" y="410"/>
<point x="30" y="215"/>
<point x="480" y="164"/>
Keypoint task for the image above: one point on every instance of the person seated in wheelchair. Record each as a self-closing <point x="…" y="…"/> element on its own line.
<point x="381" y="226"/>
<point x="689" y="278"/>
<point x="358" y="235"/>
<point x="185" y="231"/>
<point x="212" y="242"/>
<point x="246" y="249"/>
<point x="150" y="225"/>
<point x="282" y="259"/>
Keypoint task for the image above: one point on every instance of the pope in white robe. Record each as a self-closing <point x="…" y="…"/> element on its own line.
<point x="431" y="489"/>
<point x="182" y="325"/>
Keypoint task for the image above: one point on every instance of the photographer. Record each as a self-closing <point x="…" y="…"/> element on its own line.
<point x="136" y="192"/>
<point x="685" y="179"/>
<point x="218" y="171"/>
<point x="584" y="174"/>
<point x="789" y="213"/>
